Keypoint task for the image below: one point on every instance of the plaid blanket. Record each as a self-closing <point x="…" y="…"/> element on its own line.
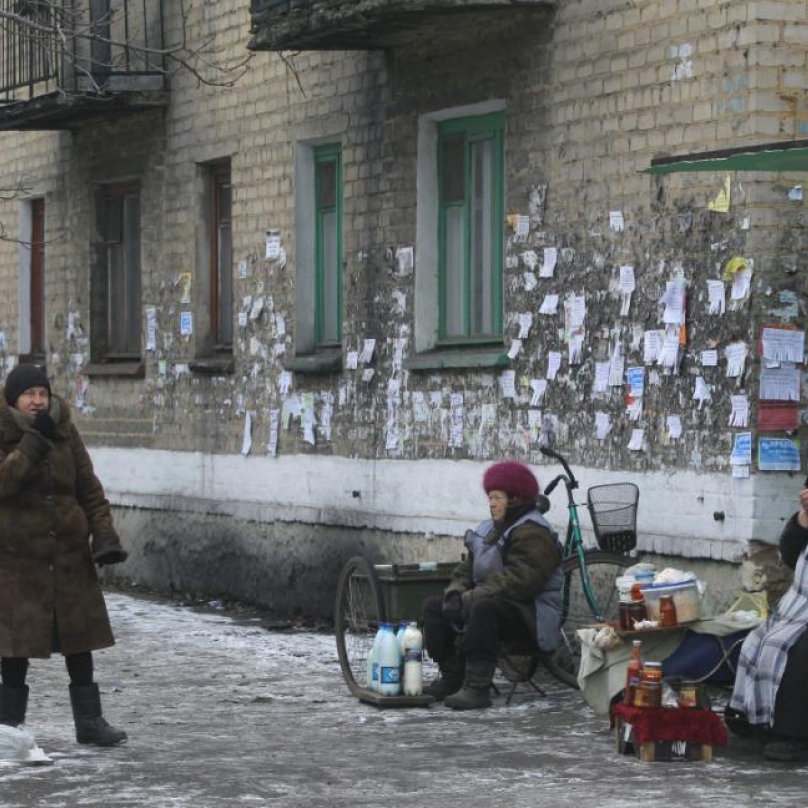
<point x="765" y="651"/>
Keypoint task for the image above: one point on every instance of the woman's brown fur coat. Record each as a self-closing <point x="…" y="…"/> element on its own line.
<point x="50" y="503"/>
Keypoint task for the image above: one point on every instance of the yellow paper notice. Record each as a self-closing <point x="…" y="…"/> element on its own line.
<point x="732" y="266"/>
<point x="721" y="203"/>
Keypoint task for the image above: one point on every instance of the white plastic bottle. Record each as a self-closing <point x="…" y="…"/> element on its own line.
<point x="413" y="656"/>
<point x="402" y="627"/>
<point x="389" y="662"/>
<point x="373" y="660"/>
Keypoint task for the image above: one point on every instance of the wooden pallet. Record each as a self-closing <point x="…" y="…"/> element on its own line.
<point x="378" y="700"/>
<point x="651" y="751"/>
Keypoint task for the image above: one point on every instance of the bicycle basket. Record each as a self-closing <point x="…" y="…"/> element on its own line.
<point x="613" y="509"/>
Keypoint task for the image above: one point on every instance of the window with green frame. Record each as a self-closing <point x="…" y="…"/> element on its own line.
<point x="470" y="229"/>
<point x="328" y="251"/>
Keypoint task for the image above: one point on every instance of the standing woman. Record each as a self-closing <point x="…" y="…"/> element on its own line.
<point x="50" y="597"/>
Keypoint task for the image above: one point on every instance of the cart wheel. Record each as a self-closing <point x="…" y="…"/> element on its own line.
<point x="358" y="610"/>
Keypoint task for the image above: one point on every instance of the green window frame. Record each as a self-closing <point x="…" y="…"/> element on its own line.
<point x="328" y="247"/>
<point x="471" y="162"/>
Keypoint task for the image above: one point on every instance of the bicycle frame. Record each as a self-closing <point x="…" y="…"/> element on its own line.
<point x="573" y="544"/>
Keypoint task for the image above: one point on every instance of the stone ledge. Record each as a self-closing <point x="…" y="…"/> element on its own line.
<point x="135" y="370"/>
<point x="446" y="358"/>
<point x="323" y="362"/>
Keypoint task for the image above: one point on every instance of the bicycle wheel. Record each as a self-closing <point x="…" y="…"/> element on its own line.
<point x="358" y="610"/>
<point x="602" y="568"/>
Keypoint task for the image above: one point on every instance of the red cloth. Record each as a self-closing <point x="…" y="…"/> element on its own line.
<point x="669" y="724"/>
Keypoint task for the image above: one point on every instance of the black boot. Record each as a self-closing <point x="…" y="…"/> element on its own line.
<point x="13" y="703"/>
<point x="450" y="679"/>
<point x="476" y="686"/>
<point x="91" y="726"/>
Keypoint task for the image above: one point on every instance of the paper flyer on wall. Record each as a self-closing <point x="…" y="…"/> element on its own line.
<point x="779" y="454"/>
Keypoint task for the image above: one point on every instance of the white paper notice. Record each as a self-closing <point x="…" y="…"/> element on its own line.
<point x="456" y="437"/>
<point x="522" y="229"/>
<point x="674" y="425"/>
<point x="405" y="257"/>
<point x="617" y="368"/>
<point x="553" y="364"/>
<point x="616" y="221"/>
<point x="549" y="304"/>
<point x="576" y="348"/>
<point x="539" y="387"/>
<point x="507" y="384"/>
<point x="709" y="359"/>
<point x="151" y="328"/>
<point x="779" y="384"/>
<point x="740" y="472"/>
<point x="525" y="324"/>
<point x="273" y="245"/>
<point x="735" y="354"/>
<point x="741" y="284"/>
<point x="603" y="425"/>
<point x="530" y="259"/>
<point x="392" y="435"/>
<point x="534" y="421"/>
<point x="601" y="384"/>
<point x="307" y="421"/>
<point x="242" y="319"/>
<point x="550" y="260"/>
<point x="530" y="281"/>
<point x="274" y="425"/>
<point x="352" y="360"/>
<point x="652" y="346"/>
<point x="674" y="302"/>
<point x="669" y="355"/>
<point x="246" y="443"/>
<point x="368" y="374"/>
<point x="516" y="347"/>
<point x="717" y="296"/>
<point x="703" y="391"/>
<point x="740" y="411"/>
<point x="627" y="286"/>
<point x="783" y="345"/>
<point x="186" y="323"/>
<point x="637" y="440"/>
<point x="368" y="346"/>
<point x="284" y="382"/>
<point x="576" y="305"/>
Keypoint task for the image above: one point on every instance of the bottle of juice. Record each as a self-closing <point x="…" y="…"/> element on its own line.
<point x="633" y="672"/>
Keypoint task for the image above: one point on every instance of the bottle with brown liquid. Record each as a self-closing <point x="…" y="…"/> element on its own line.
<point x="633" y="672"/>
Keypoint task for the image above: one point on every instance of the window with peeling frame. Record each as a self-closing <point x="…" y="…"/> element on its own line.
<point x="328" y="248"/>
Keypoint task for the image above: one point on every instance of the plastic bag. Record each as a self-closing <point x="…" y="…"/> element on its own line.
<point x="20" y="745"/>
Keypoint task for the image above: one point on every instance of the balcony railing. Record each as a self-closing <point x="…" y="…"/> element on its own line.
<point x="362" y="24"/>
<point x="76" y="50"/>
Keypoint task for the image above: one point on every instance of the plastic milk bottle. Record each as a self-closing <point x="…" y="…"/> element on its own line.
<point x="373" y="660"/>
<point x="388" y="661"/>
<point x="413" y="654"/>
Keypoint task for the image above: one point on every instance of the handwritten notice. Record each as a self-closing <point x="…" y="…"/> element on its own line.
<point x="674" y="302"/>
<point x="507" y="384"/>
<point x="549" y="304"/>
<point x="717" y="296"/>
<point x="740" y="411"/>
<point x="553" y="364"/>
<point x="735" y="354"/>
<point x="601" y="384"/>
<point x="783" y="345"/>
<point x="780" y="384"/>
<point x="550" y="260"/>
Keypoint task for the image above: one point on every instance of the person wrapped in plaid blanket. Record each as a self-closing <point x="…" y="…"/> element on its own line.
<point x="769" y="692"/>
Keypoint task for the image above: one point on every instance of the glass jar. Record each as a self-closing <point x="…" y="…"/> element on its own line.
<point x="630" y="612"/>
<point x="667" y="611"/>
<point x="649" y="693"/>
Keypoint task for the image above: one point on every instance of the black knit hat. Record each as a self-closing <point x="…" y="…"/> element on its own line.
<point x="22" y="378"/>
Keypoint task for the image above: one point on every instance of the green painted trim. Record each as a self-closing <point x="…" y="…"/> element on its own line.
<point x="469" y="358"/>
<point x="330" y="153"/>
<point x="769" y="160"/>
<point x="483" y="127"/>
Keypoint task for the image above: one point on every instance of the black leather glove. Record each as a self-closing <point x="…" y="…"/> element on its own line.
<point x="45" y="425"/>
<point x="107" y="550"/>
<point x="453" y="608"/>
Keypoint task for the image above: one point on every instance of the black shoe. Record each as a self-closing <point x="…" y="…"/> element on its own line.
<point x="476" y="692"/>
<point x="787" y="750"/>
<point x="91" y="726"/>
<point x="452" y="670"/>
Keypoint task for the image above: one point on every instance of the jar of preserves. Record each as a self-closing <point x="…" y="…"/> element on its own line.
<point x="667" y="611"/>
<point x="630" y="611"/>
<point x="649" y="693"/>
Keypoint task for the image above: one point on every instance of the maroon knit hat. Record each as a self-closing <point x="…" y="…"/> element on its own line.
<point x="513" y="477"/>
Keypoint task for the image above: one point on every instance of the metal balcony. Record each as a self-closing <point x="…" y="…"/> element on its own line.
<point x="279" y="25"/>
<point x="64" y="62"/>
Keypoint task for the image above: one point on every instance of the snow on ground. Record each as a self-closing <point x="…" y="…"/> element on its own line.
<point x="222" y="712"/>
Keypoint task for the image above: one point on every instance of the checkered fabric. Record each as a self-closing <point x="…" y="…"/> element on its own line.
<point x="765" y="651"/>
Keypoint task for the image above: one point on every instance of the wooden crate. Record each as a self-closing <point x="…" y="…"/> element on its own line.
<point x="660" y="751"/>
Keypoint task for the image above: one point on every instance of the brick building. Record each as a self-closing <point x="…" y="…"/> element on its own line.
<point x="298" y="315"/>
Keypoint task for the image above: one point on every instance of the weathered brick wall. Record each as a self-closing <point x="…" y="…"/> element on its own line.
<point x="592" y="93"/>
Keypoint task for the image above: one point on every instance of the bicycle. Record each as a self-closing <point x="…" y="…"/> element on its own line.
<point x="588" y="592"/>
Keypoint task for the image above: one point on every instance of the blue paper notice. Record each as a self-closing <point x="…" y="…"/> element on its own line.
<point x="636" y="381"/>
<point x="779" y="454"/>
<point x="742" y="450"/>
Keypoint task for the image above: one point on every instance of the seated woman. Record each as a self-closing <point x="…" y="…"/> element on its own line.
<point x="773" y="668"/>
<point x="508" y="588"/>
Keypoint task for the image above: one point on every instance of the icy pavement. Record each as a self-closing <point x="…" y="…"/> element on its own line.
<point x="221" y="712"/>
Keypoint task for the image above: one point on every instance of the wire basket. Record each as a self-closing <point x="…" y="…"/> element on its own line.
<point x="613" y="509"/>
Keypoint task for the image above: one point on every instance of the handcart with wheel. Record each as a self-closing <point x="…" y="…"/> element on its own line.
<point x="368" y="595"/>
